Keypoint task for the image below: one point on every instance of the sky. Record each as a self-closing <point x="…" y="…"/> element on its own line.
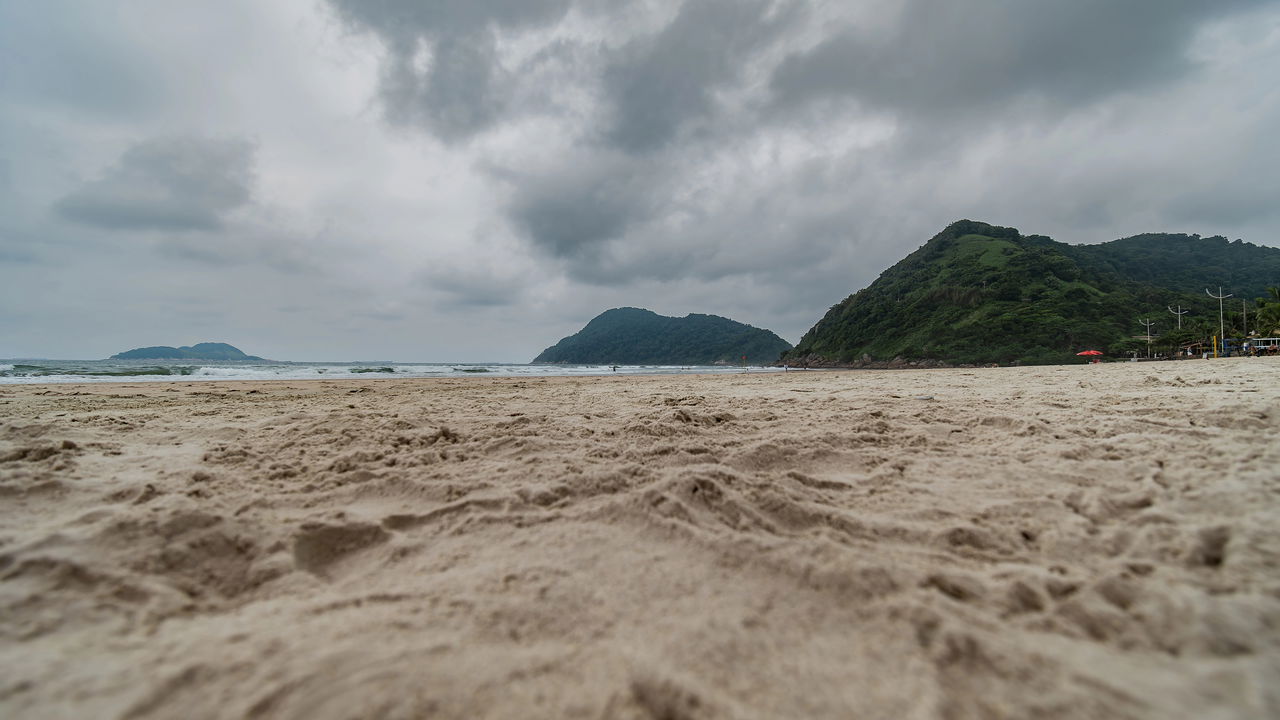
<point x="472" y="180"/>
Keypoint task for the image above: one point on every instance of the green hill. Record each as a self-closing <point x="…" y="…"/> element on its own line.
<point x="977" y="293"/>
<point x="1188" y="263"/>
<point x="199" y="351"/>
<point x="641" y="337"/>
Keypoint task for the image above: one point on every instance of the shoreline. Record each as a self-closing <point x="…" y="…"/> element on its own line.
<point x="372" y="378"/>
<point x="629" y="371"/>
<point x="753" y="370"/>
<point x="411" y="371"/>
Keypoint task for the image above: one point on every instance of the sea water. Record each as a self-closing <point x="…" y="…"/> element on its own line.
<point x="20" y="371"/>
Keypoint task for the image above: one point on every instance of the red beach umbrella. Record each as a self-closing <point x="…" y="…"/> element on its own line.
<point x="1090" y="352"/>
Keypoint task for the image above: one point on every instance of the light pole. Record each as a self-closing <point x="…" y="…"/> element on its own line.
<point x="1148" y="323"/>
<point x="1220" y="298"/>
<point x="1179" y="312"/>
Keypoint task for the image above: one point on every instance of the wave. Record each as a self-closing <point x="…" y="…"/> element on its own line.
<point x="20" y="370"/>
<point x="264" y="372"/>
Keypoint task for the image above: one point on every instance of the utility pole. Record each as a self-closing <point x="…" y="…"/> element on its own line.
<point x="1148" y="323"/>
<point x="1220" y="298"/>
<point x="1244" y="313"/>
<point x="1179" y="312"/>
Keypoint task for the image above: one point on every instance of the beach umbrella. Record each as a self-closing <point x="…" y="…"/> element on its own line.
<point x="1090" y="352"/>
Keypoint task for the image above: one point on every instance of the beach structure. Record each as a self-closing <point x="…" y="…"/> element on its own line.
<point x="1268" y="345"/>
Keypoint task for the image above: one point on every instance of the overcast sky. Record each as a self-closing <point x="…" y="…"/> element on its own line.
<point x="475" y="179"/>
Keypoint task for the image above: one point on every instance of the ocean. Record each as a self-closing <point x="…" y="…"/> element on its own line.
<point x="26" y="371"/>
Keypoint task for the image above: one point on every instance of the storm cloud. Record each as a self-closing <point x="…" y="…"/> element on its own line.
<point x="660" y="84"/>
<point x="441" y="66"/>
<point x="789" y="105"/>
<point x="475" y="179"/>
<point x="172" y="184"/>
<point x="934" y="57"/>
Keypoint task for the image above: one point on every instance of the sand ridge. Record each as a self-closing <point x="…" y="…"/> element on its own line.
<point x="1078" y="541"/>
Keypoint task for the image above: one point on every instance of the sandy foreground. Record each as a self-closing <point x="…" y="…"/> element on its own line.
<point x="1075" y="542"/>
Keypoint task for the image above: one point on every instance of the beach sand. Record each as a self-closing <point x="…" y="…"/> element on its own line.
<point x="1081" y="541"/>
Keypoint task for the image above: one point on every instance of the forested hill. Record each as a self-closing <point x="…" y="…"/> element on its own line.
<point x="634" y="336"/>
<point x="1188" y="263"/>
<point x="977" y="293"/>
<point x="199" y="351"/>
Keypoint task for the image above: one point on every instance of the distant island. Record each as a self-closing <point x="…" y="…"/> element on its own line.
<point x="978" y="293"/>
<point x="199" y="351"/>
<point x="635" y="336"/>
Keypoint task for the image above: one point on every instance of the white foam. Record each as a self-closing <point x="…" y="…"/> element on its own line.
<point x="271" y="372"/>
<point x="304" y="371"/>
<point x="417" y="371"/>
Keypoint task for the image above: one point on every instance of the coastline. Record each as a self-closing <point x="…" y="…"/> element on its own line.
<point x="1066" y="541"/>
<point x="108" y="371"/>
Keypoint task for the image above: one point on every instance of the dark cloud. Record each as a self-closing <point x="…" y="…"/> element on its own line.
<point x="642" y="190"/>
<point x="660" y="83"/>
<point x="573" y="208"/>
<point x="410" y="20"/>
<point x="172" y="184"/>
<point x="937" y="57"/>
<point x="442" y="68"/>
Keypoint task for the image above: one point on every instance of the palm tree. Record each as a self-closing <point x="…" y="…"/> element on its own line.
<point x="1267" y="316"/>
<point x="1234" y="327"/>
<point x="1267" y="319"/>
<point x="1171" y="341"/>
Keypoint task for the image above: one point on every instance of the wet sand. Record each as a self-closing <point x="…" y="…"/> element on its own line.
<point x="1058" y="542"/>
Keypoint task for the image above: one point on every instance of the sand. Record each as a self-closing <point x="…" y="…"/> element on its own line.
<point x="1058" y="542"/>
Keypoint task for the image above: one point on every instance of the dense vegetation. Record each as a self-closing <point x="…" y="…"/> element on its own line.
<point x="199" y="351"/>
<point x="641" y="337"/>
<point x="1188" y="263"/>
<point x="976" y="293"/>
